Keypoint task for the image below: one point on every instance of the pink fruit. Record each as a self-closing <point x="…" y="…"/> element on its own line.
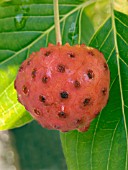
<point x="64" y="87"/>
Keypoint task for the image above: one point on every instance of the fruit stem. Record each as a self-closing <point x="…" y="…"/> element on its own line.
<point x="57" y="22"/>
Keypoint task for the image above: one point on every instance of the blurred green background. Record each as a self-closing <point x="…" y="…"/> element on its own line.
<point x="38" y="148"/>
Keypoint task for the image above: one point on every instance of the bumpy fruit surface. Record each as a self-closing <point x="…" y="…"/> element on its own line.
<point x="64" y="87"/>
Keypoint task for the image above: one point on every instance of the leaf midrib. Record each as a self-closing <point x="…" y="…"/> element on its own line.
<point x="30" y="16"/>
<point x="119" y="75"/>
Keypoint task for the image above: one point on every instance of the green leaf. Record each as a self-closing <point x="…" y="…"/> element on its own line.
<point x="26" y="26"/>
<point x="105" y="145"/>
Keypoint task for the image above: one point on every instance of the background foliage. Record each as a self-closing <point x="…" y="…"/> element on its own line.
<point x="27" y="25"/>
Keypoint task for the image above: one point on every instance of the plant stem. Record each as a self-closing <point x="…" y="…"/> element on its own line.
<point x="57" y="23"/>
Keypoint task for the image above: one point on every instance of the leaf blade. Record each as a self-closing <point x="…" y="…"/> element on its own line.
<point x="105" y="144"/>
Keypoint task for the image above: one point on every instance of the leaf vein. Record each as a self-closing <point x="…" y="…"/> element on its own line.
<point x="105" y="38"/>
<point x="21" y="32"/>
<point x="110" y="54"/>
<point x="113" y="82"/>
<point x="7" y="111"/>
<point x="80" y="17"/>
<point x="123" y="61"/>
<point x="93" y="139"/>
<point x="77" y="161"/>
<point x="121" y="22"/>
<point x="114" y="132"/>
<point x="6" y="88"/>
<point x="122" y="38"/>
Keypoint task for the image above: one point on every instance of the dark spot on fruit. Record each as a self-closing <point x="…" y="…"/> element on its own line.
<point x="47" y="53"/>
<point x="15" y="84"/>
<point x="105" y="66"/>
<point x="42" y="98"/>
<point x="90" y="74"/>
<point x="56" y="126"/>
<point x="44" y="79"/>
<point x="78" y="122"/>
<point x="37" y="112"/>
<point x="25" y="89"/>
<point x="104" y="91"/>
<point x="28" y="62"/>
<point x="64" y="95"/>
<point x="76" y="83"/>
<point x="61" y="68"/>
<point x="91" y="53"/>
<point x="71" y="55"/>
<point x="64" y="131"/>
<point x="34" y="73"/>
<point x="62" y="114"/>
<point x="20" y="68"/>
<point x="86" y="101"/>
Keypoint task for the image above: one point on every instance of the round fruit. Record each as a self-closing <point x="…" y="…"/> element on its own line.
<point x="64" y="87"/>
